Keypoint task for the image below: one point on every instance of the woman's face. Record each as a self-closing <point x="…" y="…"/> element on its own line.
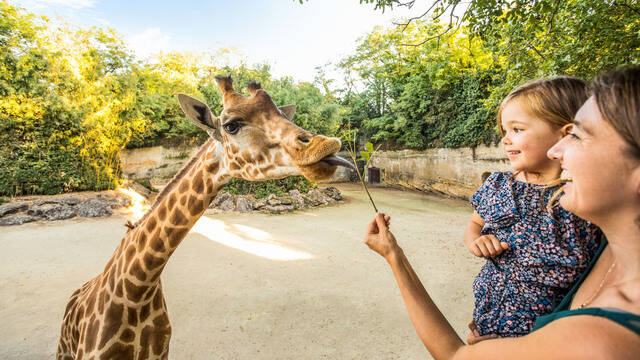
<point x="599" y="174"/>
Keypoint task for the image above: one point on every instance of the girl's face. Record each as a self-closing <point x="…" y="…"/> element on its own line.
<point x="527" y="140"/>
<point x="600" y="176"/>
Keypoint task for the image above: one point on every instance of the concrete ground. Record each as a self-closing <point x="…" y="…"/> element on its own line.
<point x="256" y="286"/>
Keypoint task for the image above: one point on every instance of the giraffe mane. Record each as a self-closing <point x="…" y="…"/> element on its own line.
<point x="172" y="184"/>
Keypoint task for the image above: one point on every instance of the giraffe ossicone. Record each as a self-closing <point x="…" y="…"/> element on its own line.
<point x="121" y="313"/>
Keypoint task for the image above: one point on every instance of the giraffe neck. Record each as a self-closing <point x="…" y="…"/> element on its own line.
<point x="146" y="249"/>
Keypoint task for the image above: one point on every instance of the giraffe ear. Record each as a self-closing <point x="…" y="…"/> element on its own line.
<point x="288" y="110"/>
<point x="201" y="115"/>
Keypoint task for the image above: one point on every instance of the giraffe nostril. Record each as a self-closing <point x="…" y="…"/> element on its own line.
<point x="304" y="139"/>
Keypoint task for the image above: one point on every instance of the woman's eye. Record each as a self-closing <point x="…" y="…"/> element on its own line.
<point x="232" y="127"/>
<point x="573" y="136"/>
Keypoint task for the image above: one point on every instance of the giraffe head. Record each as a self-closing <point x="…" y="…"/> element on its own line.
<point x="259" y="140"/>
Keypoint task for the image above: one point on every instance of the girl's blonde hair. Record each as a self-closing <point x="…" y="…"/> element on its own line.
<point x="555" y="100"/>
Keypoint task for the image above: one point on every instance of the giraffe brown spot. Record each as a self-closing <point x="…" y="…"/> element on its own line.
<point x="118" y="351"/>
<point x="134" y="292"/>
<point x="127" y="335"/>
<point x="158" y="244"/>
<point x="172" y="201"/>
<point x="111" y="280"/>
<point x="162" y="212"/>
<point x="142" y="241"/>
<point x="198" y="184"/>
<point x="213" y="167"/>
<point x="111" y="324"/>
<point x="194" y="205"/>
<point x="234" y="166"/>
<point x="177" y="237"/>
<point x="92" y="335"/>
<point x="260" y="158"/>
<point x="151" y="224"/>
<point x="137" y="271"/>
<point x="144" y="312"/>
<point x="144" y="342"/>
<point x="267" y="168"/>
<point x="101" y="299"/>
<point x="183" y="200"/>
<point x="177" y="218"/>
<point x="119" y="289"/>
<point x="184" y="186"/>
<point x="158" y="300"/>
<point x="131" y="251"/>
<point x="132" y="316"/>
<point x="234" y="148"/>
<point x="151" y="262"/>
<point x="240" y="160"/>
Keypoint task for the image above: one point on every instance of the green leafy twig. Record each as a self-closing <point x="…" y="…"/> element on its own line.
<point x="349" y="137"/>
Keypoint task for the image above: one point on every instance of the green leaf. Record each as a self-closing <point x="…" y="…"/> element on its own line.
<point x="365" y="155"/>
<point x="369" y="147"/>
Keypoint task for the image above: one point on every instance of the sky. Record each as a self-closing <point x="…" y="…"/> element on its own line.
<point x="293" y="38"/>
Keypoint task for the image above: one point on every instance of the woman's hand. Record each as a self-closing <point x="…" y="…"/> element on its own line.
<point x="475" y="337"/>
<point x="378" y="236"/>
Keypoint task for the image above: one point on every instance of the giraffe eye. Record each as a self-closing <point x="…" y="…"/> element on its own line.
<point x="232" y="127"/>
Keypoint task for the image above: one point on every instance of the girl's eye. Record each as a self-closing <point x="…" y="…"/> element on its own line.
<point x="516" y="130"/>
<point x="232" y="127"/>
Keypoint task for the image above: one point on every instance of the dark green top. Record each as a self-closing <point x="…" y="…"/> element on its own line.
<point x="629" y="320"/>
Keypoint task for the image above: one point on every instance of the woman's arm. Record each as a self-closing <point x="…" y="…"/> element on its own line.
<point x="569" y="338"/>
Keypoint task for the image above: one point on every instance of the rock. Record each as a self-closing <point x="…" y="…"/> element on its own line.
<point x="222" y="197"/>
<point x="297" y="199"/>
<point x="52" y="212"/>
<point x="278" y="208"/>
<point x="17" y="219"/>
<point x="259" y="204"/>
<point x="228" y="205"/>
<point x="243" y="204"/>
<point x="318" y="197"/>
<point x="333" y="193"/>
<point x="119" y="202"/>
<point x="13" y="208"/>
<point x="309" y="201"/>
<point x="285" y="200"/>
<point x="94" y="208"/>
<point x="273" y="200"/>
<point x="69" y="200"/>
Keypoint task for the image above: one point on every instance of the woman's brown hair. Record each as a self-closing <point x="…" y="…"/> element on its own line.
<point x="553" y="100"/>
<point x="617" y="94"/>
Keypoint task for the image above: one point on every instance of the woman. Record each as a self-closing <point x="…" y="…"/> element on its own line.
<point x="600" y="318"/>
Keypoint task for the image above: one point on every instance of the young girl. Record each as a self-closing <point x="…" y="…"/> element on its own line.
<point x="534" y="255"/>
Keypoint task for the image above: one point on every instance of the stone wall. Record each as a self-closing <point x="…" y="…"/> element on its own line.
<point x="454" y="172"/>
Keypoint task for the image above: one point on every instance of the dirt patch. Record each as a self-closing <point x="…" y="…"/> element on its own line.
<point x="255" y="286"/>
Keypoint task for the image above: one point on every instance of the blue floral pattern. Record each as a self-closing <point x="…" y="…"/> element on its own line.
<point x="546" y="255"/>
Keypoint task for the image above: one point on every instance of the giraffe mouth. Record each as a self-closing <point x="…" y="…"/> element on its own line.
<point x="338" y="161"/>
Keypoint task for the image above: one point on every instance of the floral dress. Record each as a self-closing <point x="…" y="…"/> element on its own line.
<point x="546" y="255"/>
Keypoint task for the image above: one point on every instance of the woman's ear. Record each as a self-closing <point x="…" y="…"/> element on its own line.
<point x="565" y="130"/>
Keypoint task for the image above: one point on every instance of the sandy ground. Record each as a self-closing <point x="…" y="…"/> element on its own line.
<point x="295" y="286"/>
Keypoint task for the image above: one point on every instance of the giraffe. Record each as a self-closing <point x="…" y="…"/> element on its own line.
<point x="121" y="313"/>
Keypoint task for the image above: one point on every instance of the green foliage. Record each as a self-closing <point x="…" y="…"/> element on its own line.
<point x="262" y="189"/>
<point x="72" y="99"/>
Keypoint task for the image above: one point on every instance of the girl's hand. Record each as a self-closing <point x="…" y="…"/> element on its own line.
<point x="487" y="246"/>
<point x="475" y="337"/>
<point x="378" y="237"/>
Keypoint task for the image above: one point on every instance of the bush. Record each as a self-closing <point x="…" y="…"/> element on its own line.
<point x="262" y="189"/>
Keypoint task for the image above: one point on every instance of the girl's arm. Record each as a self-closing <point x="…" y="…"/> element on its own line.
<point x="564" y="338"/>
<point x="482" y="245"/>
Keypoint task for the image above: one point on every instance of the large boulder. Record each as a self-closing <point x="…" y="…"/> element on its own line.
<point x="52" y="212"/>
<point x="220" y="198"/>
<point x="13" y="208"/>
<point x="296" y="199"/>
<point x="243" y="204"/>
<point x="228" y="205"/>
<point x="17" y="219"/>
<point x="94" y="208"/>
